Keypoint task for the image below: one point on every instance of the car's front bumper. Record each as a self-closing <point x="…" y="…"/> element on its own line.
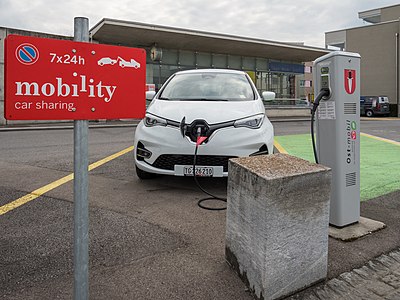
<point x="222" y="145"/>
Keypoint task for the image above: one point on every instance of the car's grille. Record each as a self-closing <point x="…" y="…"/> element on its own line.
<point x="168" y="161"/>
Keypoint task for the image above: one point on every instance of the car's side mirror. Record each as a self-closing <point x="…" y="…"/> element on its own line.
<point x="150" y="95"/>
<point x="268" y="96"/>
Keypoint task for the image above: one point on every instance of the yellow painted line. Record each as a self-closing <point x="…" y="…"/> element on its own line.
<point x="35" y="194"/>
<point x="40" y="191"/>
<point x="109" y="158"/>
<point x="380" y="139"/>
<point x="279" y="147"/>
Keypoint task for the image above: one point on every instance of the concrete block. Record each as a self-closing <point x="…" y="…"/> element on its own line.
<point x="277" y="223"/>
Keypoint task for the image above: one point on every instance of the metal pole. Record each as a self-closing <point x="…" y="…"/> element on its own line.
<point x="81" y="206"/>
<point x="397" y="75"/>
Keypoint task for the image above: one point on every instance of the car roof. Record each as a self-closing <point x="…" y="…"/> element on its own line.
<point x="199" y="71"/>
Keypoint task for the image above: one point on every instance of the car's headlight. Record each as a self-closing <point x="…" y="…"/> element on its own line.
<point x="152" y="120"/>
<point x="250" y="122"/>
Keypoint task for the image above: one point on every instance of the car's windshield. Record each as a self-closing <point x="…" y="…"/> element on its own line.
<point x="208" y="86"/>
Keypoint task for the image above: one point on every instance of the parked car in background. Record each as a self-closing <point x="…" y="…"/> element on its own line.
<point x="374" y="105"/>
<point x="221" y="105"/>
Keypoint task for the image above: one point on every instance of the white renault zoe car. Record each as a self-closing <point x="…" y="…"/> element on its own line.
<point x="222" y="106"/>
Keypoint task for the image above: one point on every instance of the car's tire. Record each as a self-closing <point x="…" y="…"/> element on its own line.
<point x="143" y="174"/>
<point x="369" y="113"/>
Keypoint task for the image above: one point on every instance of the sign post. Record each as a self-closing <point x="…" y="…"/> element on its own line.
<point x="50" y="79"/>
<point x="81" y="205"/>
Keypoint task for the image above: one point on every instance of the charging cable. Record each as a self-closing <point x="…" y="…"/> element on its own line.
<point x="201" y="140"/>
<point x="322" y="93"/>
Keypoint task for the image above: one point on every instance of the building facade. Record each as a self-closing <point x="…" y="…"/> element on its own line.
<point x="378" y="45"/>
<point x="273" y="66"/>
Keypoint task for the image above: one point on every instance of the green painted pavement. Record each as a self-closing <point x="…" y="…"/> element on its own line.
<point x="379" y="168"/>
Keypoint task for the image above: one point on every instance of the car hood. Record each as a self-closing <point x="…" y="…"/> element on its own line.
<point x="212" y="112"/>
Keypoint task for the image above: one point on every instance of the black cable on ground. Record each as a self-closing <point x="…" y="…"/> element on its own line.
<point x="212" y="197"/>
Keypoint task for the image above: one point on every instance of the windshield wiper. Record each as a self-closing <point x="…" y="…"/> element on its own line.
<point x="193" y="99"/>
<point x="207" y="99"/>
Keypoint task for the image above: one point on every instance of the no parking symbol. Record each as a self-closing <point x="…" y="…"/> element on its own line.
<point x="27" y="54"/>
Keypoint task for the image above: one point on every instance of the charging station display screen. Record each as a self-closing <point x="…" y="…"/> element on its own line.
<point x="325" y="81"/>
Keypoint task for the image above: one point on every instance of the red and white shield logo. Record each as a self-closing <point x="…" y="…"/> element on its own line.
<point x="349" y="81"/>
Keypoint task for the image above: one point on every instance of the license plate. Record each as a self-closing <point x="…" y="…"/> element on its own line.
<point x="201" y="171"/>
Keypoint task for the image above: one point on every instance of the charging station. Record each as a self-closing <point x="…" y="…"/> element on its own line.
<point x="337" y="82"/>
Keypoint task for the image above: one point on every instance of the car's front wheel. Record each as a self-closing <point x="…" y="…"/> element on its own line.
<point x="143" y="174"/>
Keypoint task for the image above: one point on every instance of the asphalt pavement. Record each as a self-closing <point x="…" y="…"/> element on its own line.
<point x="167" y="247"/>
<point x="348" y="258"/>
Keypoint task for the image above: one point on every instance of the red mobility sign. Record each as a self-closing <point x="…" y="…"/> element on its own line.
<point x="49" y="79"/>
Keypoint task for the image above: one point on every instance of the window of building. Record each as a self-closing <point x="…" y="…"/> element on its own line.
<point x="286" y="83"/>
<point x="308" y="69"/>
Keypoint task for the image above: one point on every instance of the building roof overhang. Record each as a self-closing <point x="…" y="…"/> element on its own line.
<point x="110" y="31"/>
<point x="372" y="16"/>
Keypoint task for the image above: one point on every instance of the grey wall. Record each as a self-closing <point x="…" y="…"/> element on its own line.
<point x="377" y="47"/>
<point x="390" y="13"/>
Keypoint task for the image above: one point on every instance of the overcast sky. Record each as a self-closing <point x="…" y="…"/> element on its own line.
<point x="278" y="20"/>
